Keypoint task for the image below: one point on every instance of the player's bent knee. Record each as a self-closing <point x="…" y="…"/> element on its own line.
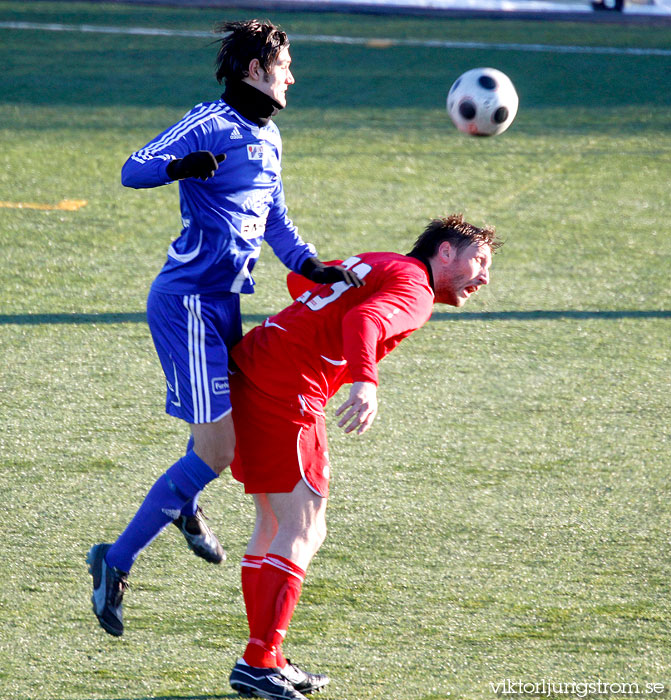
<point x="265" y="527"/>
<point x="305" y="539"/>
<point x="223" y="457"/>
<point x="214" y="443"/>
<point x="215" y="458"/>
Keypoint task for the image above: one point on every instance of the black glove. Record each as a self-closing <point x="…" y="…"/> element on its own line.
<point x="316" y="271"/>
<point x="202" y="164"/>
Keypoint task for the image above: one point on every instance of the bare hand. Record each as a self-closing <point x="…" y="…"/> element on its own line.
<point x="360" y="408"/>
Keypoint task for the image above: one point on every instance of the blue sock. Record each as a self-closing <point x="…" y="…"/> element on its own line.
<point x="163" y="504"/>
<point x="190" y="507"/>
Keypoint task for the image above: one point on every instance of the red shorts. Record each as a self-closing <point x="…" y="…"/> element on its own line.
<point x="278" y="441"/>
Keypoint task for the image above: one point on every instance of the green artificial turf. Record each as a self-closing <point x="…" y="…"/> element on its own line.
<point x="506" y="518"/>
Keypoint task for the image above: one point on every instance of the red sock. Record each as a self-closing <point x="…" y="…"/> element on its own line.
<point x="251" y="566"/>
<point x="280" y="658"/>
<point x="277" y="592"/>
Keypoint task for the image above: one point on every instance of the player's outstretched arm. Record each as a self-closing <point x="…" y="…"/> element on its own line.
<point x="321" y="273"/>
<point x="360" y="408"/>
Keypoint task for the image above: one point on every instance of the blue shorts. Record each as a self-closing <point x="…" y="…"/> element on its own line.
<point x="193" y="335"/>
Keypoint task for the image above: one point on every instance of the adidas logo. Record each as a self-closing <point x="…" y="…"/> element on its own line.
<point x="235" y="134"/>
<point x="173" y="514"/>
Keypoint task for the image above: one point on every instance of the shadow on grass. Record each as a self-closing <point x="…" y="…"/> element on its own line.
<point x="541" y="315"/>
<point x="94" y="318"/>
<point x="174" y="697"/>
<point x="536" y="315"/>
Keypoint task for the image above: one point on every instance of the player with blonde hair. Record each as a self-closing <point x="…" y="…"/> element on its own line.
<point x="284" y="372"/>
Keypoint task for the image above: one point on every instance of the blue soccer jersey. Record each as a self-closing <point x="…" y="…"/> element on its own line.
<point x="225" y="218"/>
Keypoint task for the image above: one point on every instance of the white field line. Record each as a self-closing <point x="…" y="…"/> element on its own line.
<point x="361" y="41"/>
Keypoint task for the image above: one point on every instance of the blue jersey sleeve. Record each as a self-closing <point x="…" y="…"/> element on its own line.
<point x="283" y="237"/>
<point x="147" y="167"/>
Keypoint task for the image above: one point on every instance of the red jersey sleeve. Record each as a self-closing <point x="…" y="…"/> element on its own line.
<point x="374" y="328"/>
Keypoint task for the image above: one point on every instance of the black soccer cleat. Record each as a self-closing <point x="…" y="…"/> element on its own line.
<point x="200" y="538"/>
<point x="252" y="682"/>
<point x="109" y="585"/>
<point x="304" y="681"/>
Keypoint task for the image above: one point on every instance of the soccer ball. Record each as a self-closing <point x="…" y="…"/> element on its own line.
<point x="482" y="102"/>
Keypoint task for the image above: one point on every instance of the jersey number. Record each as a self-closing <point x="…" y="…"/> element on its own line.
<point x="337" y="288"/>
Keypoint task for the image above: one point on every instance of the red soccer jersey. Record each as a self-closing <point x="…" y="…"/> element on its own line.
<point x="337" y="333"/>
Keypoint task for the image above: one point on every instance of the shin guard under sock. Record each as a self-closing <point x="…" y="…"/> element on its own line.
<point x="191" y="506"/>
<point x="249" y="574"/>
<point x="278" y="588"/>
<point x="163" y="504"/>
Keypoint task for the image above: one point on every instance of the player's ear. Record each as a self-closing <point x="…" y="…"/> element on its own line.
<point x="254" y="71"/>
<point x="446" y="251"/>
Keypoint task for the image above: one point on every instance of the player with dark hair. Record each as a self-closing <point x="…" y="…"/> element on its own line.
<point x="282" y="376"/>
<point x="226" y="156"/>
<point x="245" y="41"/>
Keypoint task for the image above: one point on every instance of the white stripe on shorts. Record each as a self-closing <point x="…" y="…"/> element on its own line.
<point x="198" y="361"/>
<point x="300" y="461"/>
